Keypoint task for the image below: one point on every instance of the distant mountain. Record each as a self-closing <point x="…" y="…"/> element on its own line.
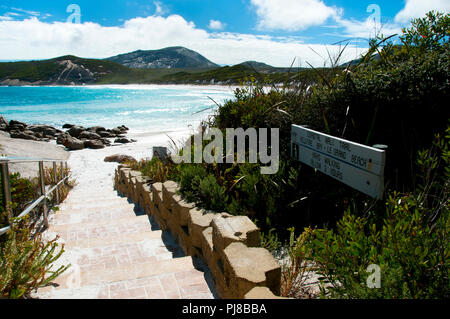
<point x="376" y="56"/>
<point x="258" y="66"/>
<point x="72" y="70"/>
<point x="65" y="70"/>
<point x="168" y="58"/>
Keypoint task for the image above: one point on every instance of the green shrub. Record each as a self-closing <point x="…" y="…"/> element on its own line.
<point x="211" y="194"/>
<point x="410" y="245"/>
<point x="156" y="169"/>
<point x="398" y="100"/>
<point x="189" y="179"/>
<point x="26" y="261"/>
<point x="196" y="185"/>
<point x="23" y="191"/>
<point x="64" y="188"/>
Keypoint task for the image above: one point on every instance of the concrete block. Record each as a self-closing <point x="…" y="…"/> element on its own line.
<point x="261" y="293"/>
<point x="198" y="221"/>
<point x="246" y="268"/>
<point x="227" y="230"/>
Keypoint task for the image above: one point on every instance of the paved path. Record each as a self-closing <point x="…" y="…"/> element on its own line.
<point x="115" y="251"/>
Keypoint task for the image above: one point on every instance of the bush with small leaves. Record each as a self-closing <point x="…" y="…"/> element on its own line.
<point x="26" y="261"/>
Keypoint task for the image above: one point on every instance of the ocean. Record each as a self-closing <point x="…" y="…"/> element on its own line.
<point x="142" y="108"/>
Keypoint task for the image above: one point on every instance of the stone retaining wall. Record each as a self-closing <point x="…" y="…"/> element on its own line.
<point x="227" y="244"/>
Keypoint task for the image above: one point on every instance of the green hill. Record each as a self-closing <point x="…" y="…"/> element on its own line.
<point x="72" y="70"/>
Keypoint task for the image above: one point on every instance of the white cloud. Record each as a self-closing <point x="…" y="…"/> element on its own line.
<point x="5" y="18"/>
<point x="292" y="15"/>
<point x="216" y="25"/>
<point x="365" y="29"/>
<point x="29" y="12"/>
<point x="418" y="9"/>
<point x="9" y="16"/>
<point x="160" y="9"/>
<point x="35" y="39"/>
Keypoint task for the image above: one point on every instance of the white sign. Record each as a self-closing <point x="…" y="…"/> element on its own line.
<point x="359" y="166"/>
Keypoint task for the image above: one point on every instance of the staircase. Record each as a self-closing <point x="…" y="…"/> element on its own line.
<point x="116" y="252"/>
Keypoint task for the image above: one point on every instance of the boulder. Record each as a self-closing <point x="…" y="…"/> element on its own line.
<point x="94" y="144"/>
<point x="116" y="131"/>
<point x="23" y="135"/>
<point x="105" y="134"/>
<point x="119" y="158"/>
<point x="61" y="138"/>
<point x="68" y="125"/>
<point x="45" y="130"/>
<point x="13" y="122"/>
<point x="37" y="134"/>
<point x="122" y="140"/>
<point x="89" y="135"/>
<point x="106" y="141"/>
<point x="3" y="123"/>
<point x="96" y="129"/>
<point x="72" y="143"/>
<point x="76" y="130"/>
<point x="17" y="127"/>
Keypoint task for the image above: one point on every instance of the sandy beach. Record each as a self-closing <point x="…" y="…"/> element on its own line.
<point x="87" y="165"/>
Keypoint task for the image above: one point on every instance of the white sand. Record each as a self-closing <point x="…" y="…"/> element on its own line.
<point x="87" y="165"/>
<point x="90" y="171"/>
<point x="24" y="148"/>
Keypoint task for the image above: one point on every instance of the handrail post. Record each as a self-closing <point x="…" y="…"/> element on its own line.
<point x="6" y="188"/>
<point x="62" y="176"/>
<point x="65" y="170"/>
<point x="55" y="176"/>
<point x="44" y="203"/>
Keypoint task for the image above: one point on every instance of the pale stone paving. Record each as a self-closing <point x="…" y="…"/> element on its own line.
<point x="112" y="248"/>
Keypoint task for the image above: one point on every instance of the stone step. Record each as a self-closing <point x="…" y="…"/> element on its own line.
<point x="187" y="284"/>
<point x="76" y="232"/>
<point x="100" y="203"/>
<point x="85" y="277"/>
<point x="127" y="221"/>
<point x="68" y="209"/>
<point x="112" y="240"/>
<point x="87" y="216"/>
<point x="93" y="196"/>
<point x="114" y="256"/>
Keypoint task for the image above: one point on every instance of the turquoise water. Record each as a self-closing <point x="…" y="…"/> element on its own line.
<point x="143" y="108"/>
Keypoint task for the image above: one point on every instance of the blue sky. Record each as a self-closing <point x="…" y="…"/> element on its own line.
<point x="227" y="32"/>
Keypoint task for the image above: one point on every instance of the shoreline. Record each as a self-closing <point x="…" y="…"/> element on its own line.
<point x="87" y="159"/>
<point x="141" y="85"/>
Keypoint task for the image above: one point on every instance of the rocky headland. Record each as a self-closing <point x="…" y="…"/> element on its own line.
<point x="73" y="137"/>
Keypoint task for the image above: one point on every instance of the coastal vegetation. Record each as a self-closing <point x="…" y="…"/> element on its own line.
<point x="396" y="95"/>
<point x="26" y="259"/>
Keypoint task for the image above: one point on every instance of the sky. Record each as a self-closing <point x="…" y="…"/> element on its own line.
<point x="227" y="32"/>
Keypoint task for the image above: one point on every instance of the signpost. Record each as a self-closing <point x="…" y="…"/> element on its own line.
<point x="359" y="166"/>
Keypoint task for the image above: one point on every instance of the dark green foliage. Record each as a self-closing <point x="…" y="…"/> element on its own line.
<point x="399" y="100"/>
<point x="428" y="34"/>
<point x="410" y="242"/>
<point x="189" y="179"/>
<point x="212" y="194"/>
<point x="23" y="191"/>
<point x="196" y="185"/>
